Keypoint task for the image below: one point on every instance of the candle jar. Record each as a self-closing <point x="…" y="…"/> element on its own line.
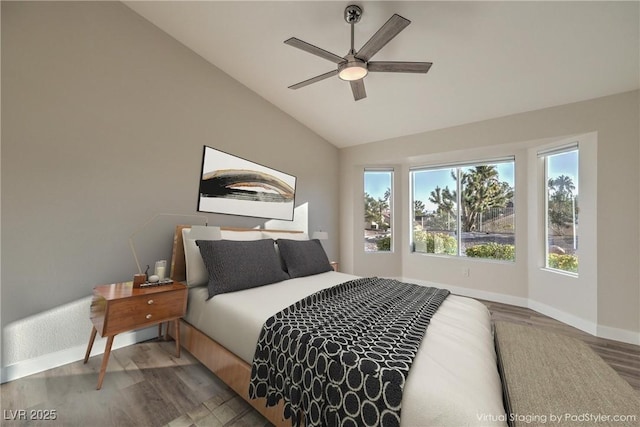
<point x="139" y="279"/>
<point x="161" y="269"/>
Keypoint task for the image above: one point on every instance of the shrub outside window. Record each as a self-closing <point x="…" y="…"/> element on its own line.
<point x="465" y="210"/>
<point x="378" y="208"/>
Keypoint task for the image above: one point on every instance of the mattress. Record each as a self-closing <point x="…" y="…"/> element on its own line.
<point x="453" y="381"/>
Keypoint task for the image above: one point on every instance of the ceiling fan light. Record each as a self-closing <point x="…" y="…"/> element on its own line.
<point x="353" y="71"/>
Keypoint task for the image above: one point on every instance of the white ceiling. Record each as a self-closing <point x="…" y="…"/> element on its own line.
<point x="491" y="59"/>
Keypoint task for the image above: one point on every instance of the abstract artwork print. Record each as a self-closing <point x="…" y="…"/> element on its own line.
<point x="235" y="186"/>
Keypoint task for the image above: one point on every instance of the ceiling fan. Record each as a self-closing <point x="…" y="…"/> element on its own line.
<point x="354" y="66"/>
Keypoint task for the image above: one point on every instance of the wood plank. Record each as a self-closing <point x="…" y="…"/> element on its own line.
<point x="235" y="372"/>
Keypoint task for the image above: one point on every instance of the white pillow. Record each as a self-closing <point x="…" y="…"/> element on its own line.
<point x="275" y="235"/>
<point x="196" y="271"/>
<point x="241" y="235"/>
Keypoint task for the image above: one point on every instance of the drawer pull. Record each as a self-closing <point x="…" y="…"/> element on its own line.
<point x="150" y="302"/>
<point x="148" y="316"/>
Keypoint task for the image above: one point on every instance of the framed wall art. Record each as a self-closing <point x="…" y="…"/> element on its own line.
<point x="236" y="186"/>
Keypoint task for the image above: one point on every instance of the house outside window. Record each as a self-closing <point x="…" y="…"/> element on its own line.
<point x="561" y="208"/>
<point x="378" y="210"/>
<point x="465" y="210"/>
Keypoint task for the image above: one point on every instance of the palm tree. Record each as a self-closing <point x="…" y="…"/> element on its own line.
<point x="562" y="184"/>
<point x="562" y="204"/>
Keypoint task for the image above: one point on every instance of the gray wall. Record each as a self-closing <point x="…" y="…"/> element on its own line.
<point x="616" y="121"/>
<point x="104" y="120"/>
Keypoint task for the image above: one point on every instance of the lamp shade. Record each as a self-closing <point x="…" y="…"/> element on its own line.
<point x="320" y="235"/>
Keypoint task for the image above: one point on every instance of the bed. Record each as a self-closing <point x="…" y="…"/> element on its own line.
<point x="454" y="379"/>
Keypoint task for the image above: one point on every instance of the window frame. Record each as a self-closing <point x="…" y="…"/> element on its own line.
<point x="458" y="166"/>
<point x="391" y="171"/>
<point x="544" y="155"/>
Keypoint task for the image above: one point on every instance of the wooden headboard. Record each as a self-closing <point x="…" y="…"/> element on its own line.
<point x="178" y="264"/>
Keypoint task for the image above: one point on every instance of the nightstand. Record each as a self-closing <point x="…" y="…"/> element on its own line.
<point x="120" y="307"/>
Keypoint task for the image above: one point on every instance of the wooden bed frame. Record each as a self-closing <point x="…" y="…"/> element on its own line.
<point x="232" y="370"/>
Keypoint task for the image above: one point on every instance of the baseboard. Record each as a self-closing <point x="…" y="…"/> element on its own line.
<point x="474" y="293"/>
<point x="622" y="335"/>
<point x="575" y="321"/>
<point x="52" y="360"/>
<point x="616" y="334"/>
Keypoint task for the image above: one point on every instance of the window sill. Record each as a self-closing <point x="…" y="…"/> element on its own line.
<point x="466" y="258"/>
<point x="560" y="272"/>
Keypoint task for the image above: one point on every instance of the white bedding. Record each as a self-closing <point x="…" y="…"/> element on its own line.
<point x="453" y="380"/>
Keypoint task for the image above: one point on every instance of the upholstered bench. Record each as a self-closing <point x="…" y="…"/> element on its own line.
<point x="552" y="379"/>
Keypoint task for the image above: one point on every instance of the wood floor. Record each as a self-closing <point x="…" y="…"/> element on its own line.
<point x="146" y="385"/>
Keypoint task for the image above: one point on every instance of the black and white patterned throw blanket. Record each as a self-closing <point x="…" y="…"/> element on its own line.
<point x="340" y="357"/>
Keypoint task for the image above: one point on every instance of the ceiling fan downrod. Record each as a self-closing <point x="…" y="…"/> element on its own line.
<point x="352" y="15"/>
<point x="353" y="68"/>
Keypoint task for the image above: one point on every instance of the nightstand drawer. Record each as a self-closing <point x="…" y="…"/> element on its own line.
<point x="139" y="311"/>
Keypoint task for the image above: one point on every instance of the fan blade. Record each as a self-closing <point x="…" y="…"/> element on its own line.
<point x="357" y="87"/>
<point x="314" y="50"/>
<point x="388" y="31"/>
<point x="398" y="67"/>
<point x="314" y="79"/>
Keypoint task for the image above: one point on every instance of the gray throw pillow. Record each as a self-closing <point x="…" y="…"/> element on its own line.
<point x="303" y="258"/>
<point x="237" y="265"/>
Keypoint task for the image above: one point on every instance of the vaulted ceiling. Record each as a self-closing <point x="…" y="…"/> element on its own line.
<point x="490" y="59"/>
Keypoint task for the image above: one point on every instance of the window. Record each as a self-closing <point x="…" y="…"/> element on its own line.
<point x="378" y="200"/>
<point x="465" y="210"/>
<point x="561" y="208"/>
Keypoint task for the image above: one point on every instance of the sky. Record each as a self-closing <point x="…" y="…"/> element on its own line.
<point x="565" y="164"/>
<point x="377" y="182"/>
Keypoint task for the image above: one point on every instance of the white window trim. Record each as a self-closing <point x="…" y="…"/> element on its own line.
<point x="543" y="155"/>
<point x="391" y="205"/>
<point x="457" y="166"/>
